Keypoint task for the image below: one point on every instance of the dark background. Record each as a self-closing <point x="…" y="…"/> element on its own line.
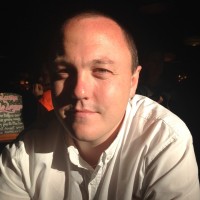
<point x="158" y="26"/>
<point x="167" y="34"/>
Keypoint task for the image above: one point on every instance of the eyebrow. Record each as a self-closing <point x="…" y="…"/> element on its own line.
<point x="102" y="61"/>
<point x="99" y="61"/>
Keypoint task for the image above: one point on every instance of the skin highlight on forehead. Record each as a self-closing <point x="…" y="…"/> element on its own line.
<point x="99" y="30"/>
<point x="112" y="24"/>
<point x="95" y="23"/>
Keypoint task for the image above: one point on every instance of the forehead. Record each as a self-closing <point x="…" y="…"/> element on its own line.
<point x="94" y="23"/>
<point x="90" y="17"/>
<point x="84" y="27"/>
<point x="95" y="36"/>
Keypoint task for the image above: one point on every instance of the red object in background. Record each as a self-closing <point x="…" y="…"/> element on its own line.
<point x="46" y="100"/>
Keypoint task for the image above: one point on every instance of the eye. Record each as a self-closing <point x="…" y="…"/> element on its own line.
<point x="101" y="70"/>
<point x="102" y="73"/>
<point x="63" y="69"/>
<point x="61" y="72"/>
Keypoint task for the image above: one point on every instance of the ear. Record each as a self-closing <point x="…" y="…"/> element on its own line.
<point x="134" y="81"/>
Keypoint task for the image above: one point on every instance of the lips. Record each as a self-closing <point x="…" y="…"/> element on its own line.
<point x="70" y="110"/>
<point x="82" y="113"/>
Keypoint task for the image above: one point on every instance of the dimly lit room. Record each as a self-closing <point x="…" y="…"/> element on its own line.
<point x="166" y="34"/>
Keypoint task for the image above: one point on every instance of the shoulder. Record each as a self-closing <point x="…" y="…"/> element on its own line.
<point x="156" y="132"/>
<point x="158" y="125"/>
<point x="154" y="113"/>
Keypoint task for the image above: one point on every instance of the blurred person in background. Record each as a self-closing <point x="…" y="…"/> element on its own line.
<point x="42" y="91"/>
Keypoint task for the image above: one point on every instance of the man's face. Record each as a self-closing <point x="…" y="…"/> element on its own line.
<point x="93" y="80"/>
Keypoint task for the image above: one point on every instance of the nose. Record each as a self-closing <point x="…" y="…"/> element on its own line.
<point x="80" y="90"/>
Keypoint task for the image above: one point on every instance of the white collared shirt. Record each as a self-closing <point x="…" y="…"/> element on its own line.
<point x="151" y="158"/>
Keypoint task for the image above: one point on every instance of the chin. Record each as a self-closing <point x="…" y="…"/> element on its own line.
<point x="83" y="134"/>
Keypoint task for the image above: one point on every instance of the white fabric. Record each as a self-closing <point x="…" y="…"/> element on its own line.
<point x="151" y="158"/>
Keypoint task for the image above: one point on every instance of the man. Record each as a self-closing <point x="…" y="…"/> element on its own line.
<point x="104" y="142"/>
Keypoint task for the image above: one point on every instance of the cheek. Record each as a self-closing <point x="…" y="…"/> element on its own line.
<point x="57" y="88"/>
<point x="113" y="101"/>
<point x="113" y="93"/>
<point x="57" y="93"/>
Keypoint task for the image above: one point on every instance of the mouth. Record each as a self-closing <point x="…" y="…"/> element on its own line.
<point x="77" y="112"/>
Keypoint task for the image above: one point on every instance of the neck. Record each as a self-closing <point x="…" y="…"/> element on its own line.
<point x="91" y="151"/>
